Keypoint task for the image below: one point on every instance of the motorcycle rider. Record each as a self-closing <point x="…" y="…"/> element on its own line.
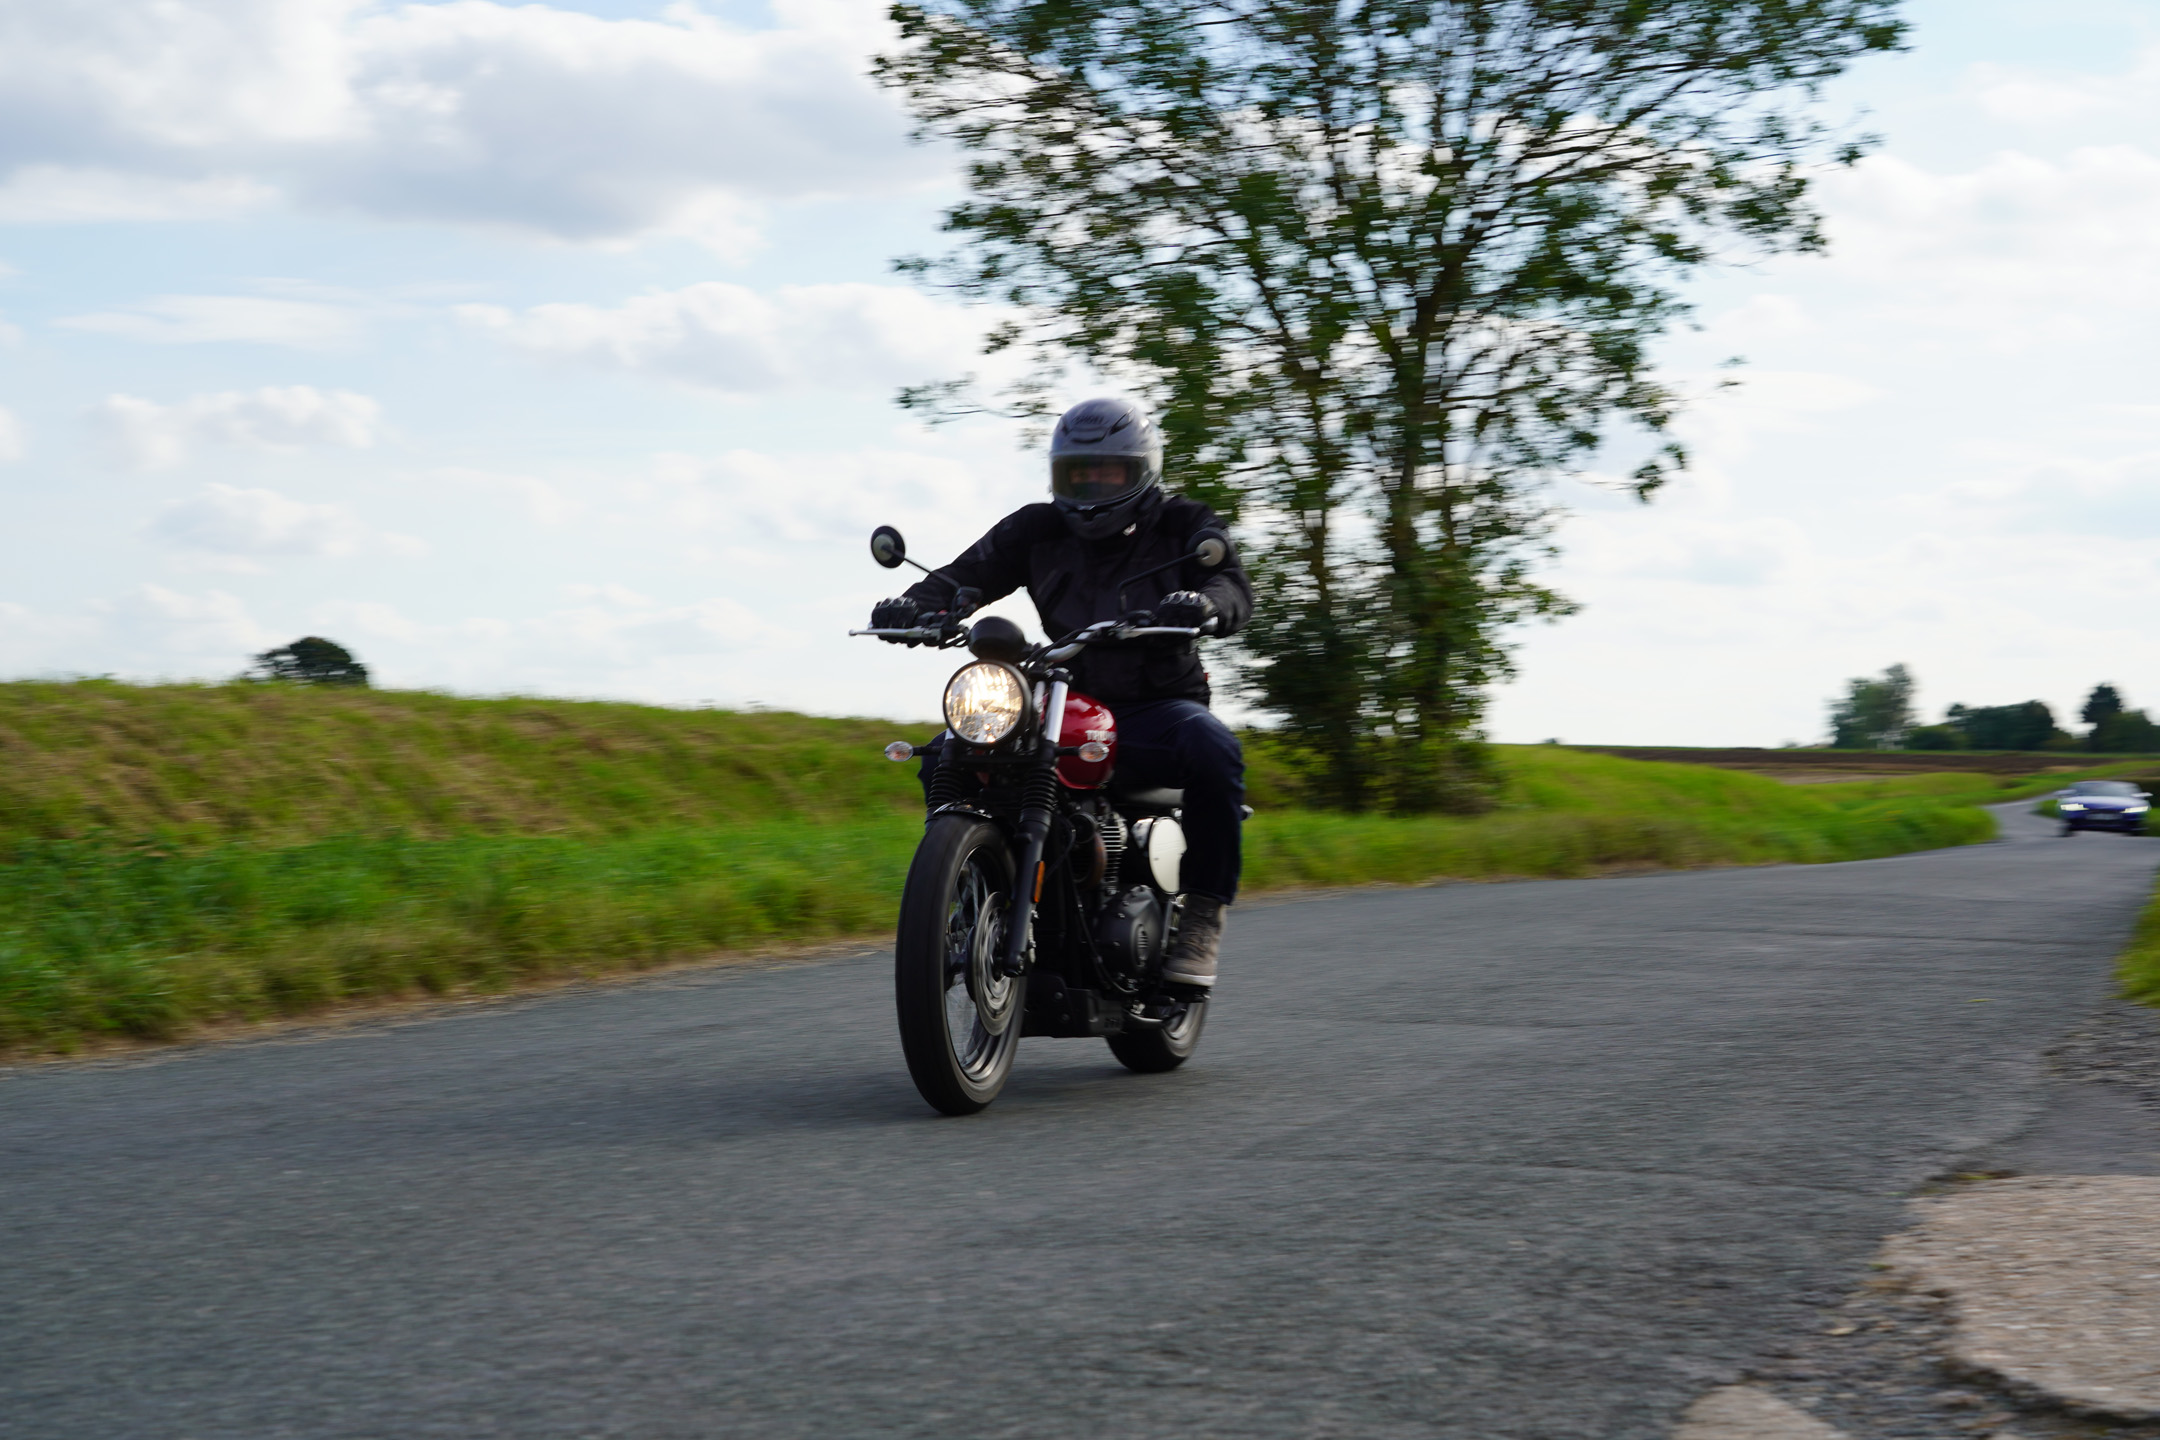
<point x="1109" y="518"/>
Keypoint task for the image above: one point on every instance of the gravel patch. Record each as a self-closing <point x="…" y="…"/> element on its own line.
<point x="1742" y="1412"/>
<point x="1883" y="1364"/>
<point x="2118" y="1047"/>
<point x="2055" y="1281"/>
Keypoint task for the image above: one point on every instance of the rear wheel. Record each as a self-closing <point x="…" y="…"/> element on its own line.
<point x="960" y="1019"/>
<point x="1165" y="1046"/>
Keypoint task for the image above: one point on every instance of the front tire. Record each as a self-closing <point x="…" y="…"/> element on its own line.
<point x="960" y="1020"/>
<point x="1162" y="1047"/>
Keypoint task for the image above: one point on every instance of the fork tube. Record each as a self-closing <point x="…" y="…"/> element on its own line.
<point x="1040" y="799"/>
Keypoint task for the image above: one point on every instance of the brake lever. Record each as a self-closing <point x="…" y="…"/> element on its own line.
<point x="913" y="636"/>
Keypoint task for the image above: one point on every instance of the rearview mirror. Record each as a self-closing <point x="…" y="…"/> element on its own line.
<point x="887" y="548"/>
<point x="1211" y="548"/>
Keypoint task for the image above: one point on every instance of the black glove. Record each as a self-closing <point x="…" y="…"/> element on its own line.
<point x="1185" y="607"/>
<point x="898" y="613"/>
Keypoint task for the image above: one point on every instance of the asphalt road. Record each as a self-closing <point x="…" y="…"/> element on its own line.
<point x="1477" y="1160"/>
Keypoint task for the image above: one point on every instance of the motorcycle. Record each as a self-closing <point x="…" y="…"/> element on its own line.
<point x="1045" y="893"/>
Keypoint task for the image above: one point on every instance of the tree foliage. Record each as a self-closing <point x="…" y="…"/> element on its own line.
<point x="1385" y="269"/>
<point x="310" y="660"/>
<point x="2126" y="732"/>
<point x="1873" y="714"/>
<point x="2030" y="726"/>
<point x="2117" y="729"/>
<point x="1937" y="737"/>
<point x="2104" y="704"/>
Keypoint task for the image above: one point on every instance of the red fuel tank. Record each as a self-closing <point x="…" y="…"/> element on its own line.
<point x="1086" y="720"/>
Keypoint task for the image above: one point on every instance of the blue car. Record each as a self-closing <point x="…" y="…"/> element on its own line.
<point x="2103" y="805"/>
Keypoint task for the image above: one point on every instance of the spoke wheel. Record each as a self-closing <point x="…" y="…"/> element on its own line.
<point x="960" y="1020"/>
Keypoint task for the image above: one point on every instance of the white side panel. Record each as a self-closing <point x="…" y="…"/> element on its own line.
<point x="1166" y="853"/>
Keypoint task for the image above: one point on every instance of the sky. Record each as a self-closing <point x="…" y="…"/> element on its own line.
<point x="550" y="349"/>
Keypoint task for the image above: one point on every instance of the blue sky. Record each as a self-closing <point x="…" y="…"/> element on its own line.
<point x="550" y="349"/>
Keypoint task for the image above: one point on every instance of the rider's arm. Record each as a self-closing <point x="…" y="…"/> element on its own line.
<point x="996" y="564"/>
<point x="1233" y="596"/>
<point x="1229" y="587"/>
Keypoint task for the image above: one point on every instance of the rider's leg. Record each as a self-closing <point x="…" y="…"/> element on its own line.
<point x="1181" y="743"/>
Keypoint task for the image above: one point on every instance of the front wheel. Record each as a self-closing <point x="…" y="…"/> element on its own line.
<point x="960" y="1019"/>
<point x="1165" y="1046"/>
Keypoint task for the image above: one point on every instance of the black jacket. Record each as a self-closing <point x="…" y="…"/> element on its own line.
<point x="1074" y="582"/>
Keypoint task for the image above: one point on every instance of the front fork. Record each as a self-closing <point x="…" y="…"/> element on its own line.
<point x="1038" y="805"/>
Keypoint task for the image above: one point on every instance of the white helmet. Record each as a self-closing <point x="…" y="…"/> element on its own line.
<point x="1105" y="456"/>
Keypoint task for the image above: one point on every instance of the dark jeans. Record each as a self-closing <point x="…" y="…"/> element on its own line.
<point x="1180" y="744"/>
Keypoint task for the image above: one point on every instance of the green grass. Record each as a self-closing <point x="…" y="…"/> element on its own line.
<point x="277" y="764"/>
<point x="2139" y="969"/>
<point x="96" y="939"/>
<point x="1567" y="812"/>
<point x="171" y="855"/>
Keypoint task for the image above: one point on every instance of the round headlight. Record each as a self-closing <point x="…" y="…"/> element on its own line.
<point x="984" y="702"/>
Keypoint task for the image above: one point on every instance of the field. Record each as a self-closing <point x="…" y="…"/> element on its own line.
<point x="1816" y="766"/>
<point x="175" y="855"/>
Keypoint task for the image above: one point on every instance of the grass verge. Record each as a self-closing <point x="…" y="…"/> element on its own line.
<point x="144" y="942"/>
<point x="171" y="856"/>
<point x="2139" y="969"/>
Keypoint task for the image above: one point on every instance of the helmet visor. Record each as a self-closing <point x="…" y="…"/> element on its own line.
<point x="1091" y="480"/>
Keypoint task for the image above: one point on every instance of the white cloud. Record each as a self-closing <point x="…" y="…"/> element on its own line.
<point x="11" y="436"/>
<point x="235" y="528"/>
<point x="836" y="498"/>
<point x="145" y="435"/>
<point x="608" y="639"/>
<point x="729" y="338"/>
<point x="153" y="631"/>
<point x="226" y="520"/>
<point x="2030" y="96"/>
<point x="2022" y="250"/>
<point x="543" y="503"/>
<point x="57" y="195"/>
<point x="36" y="642"/>
<point x="1693" y="549"/>
<point x="200" y="319"/>
<point x="529" y="116"/>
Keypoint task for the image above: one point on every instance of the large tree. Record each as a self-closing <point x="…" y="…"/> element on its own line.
<point x="1386" y="269"/>
<point x="2103" y="705"/>
<point x="1874" y="714"/>
<point x="310" y="660"/>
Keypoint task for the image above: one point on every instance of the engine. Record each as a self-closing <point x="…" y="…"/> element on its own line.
<point x="1135" y="867"/>
<point x="1116" y="835"/>
<point x="1129" y="932"/>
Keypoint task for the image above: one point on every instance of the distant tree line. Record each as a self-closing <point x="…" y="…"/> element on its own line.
<point x="1876" y="713"/>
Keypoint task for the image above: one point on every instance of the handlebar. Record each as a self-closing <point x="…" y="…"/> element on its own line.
<point x="954" y="633"/>
<point x="1116" y="630"/>
<point x="920" y="635"/>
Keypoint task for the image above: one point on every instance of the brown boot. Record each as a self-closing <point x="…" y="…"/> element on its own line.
<point x="1199" y="942"/>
